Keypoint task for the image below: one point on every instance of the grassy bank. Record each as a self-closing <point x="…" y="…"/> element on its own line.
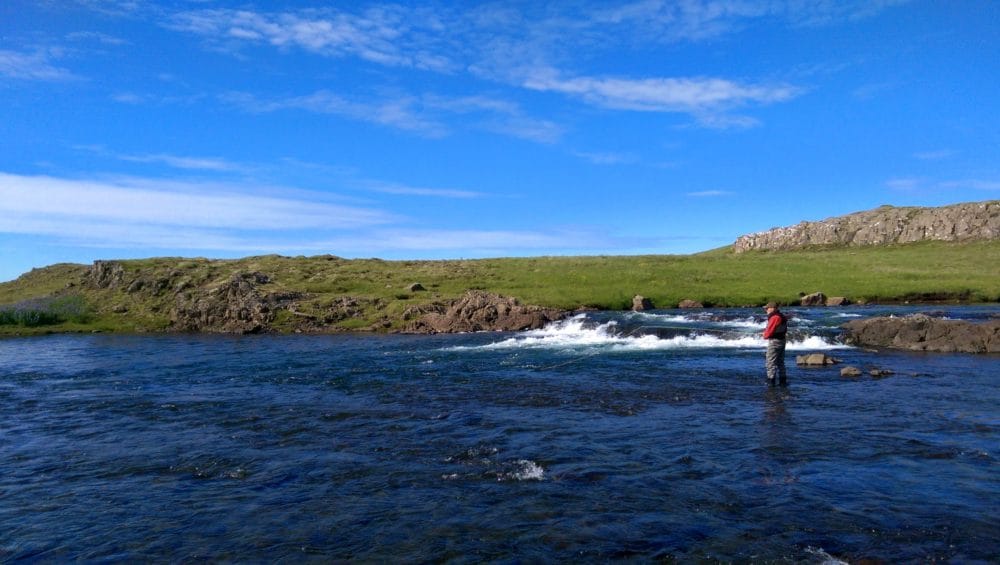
<point x="916" y="272"/>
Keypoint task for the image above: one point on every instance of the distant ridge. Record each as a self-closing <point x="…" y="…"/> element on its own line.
<point x="885" y="225"/>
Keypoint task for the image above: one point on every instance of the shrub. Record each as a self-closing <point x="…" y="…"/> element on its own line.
<point x="45" y="312"/>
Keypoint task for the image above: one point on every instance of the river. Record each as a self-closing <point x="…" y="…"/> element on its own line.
<point x="604" y="437"/>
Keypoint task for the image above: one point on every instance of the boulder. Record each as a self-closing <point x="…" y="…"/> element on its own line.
<point x="837" y="301"/>
<point x="814" y="299"/>
<point x="850" y="372"/>
<point x="640" y="303"/>
<point x="688" y="303"/>
<point x="815" y="360"/>
<point x="477" y="311"/>
<point x="415" y="287"/>
<point x="878" y="373"/>
<point x="920" y="332"/>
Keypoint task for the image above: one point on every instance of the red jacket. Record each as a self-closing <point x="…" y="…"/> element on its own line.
<point x="777" y="326"/>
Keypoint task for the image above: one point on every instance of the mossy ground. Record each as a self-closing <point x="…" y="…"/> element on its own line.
<point x="918" y="272"/>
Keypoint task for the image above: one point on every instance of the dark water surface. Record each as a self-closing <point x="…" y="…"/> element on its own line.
<point x="607" y="437"/>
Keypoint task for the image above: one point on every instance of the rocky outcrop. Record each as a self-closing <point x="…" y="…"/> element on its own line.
<point x="640" y="303"/>
<point x="884" y="225"/>
<point x="236" y="306"/>
<point x="105" y="274"/>
<point x="920" y="332"/>
<point x="478" y="311"/>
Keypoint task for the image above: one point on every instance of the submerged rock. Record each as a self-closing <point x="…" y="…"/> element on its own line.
<point x="920" y="332"/>
<point x="850" y="372"/>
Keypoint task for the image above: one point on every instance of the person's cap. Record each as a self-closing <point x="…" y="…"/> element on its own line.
<point x="770" y="305"/>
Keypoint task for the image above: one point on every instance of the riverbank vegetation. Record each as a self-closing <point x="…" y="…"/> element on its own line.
<point x="374" y="293"/>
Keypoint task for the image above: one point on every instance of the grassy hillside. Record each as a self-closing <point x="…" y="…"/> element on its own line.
<point x="916" y="272"/>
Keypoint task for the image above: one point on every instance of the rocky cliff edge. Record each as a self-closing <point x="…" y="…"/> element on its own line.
<point x="884" y="226"/>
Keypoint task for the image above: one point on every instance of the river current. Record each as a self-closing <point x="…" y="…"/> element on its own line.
<point x="605" y="437"/>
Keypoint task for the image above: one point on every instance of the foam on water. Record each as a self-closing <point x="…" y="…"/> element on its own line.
<point x="576" y="333"/>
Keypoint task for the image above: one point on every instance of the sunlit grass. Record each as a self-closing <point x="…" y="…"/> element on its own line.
<point x="917" y="272"/>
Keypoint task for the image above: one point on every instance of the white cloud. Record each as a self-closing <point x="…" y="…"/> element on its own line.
<point x="710" y="193"/>
<point x="146" y="214"/>
<point x="216" y="164"/>
<point x="608" y="158"/>
<point x="975" y="184"/>
<point x="95" y="36"/>
<point x="386" y="35"/>
<point x="389" y="188"/>
<point x="32" y="66"/>
<point x="468" y="242"/>
<point x="935" y="155"/>
<point x="401" y="113"/>
<point x="700" y="95"/>
<point x="904" y="183"/>
<point x="138" y="206"/>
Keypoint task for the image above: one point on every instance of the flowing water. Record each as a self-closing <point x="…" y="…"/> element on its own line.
<point x="605" y="437"/>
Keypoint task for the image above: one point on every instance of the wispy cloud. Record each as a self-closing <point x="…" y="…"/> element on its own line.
<point x="401" y="113"/>
<point x="216" y="164"/>
<point x="905" y="183"/>
<point x="975" y="184"/>
<point x="144" y="214"/>
<point x="98" y="37"/>
<point x="706" y="98"/>
<point x="516" y="46"/>
<point x="608" y="158"/>
<point x="710" y="193"/>
<point x="914" y="184"/>
<point x="403" y="190"/>
<point x="386" y="35"/>
<point x="33" y="66"/>
<point x="426" y="115"/>
<point x="140" y="212"/>
<point x="937" y="155"/>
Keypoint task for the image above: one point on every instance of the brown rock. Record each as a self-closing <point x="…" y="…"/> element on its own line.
<point x="814" y="299"/>
<point x="837" y="301"/>
<point x="920" y="332"/>
<point x="687" y="303"/>
<point x="477" y="311"/>
<point x="815" y="359"/>
<point x="640" y="303"/>
<point x="236" y="306"/>
<point x="850" y="372"/>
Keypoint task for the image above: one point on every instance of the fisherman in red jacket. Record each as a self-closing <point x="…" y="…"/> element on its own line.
<point x="774" y="333"/>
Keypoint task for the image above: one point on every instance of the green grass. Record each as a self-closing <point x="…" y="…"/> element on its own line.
<point x="917" y="272"/>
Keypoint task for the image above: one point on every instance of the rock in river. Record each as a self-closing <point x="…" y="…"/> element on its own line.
<point x="920" y="332"/>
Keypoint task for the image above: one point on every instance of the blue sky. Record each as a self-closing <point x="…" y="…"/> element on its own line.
<point x="421" y="130"/>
